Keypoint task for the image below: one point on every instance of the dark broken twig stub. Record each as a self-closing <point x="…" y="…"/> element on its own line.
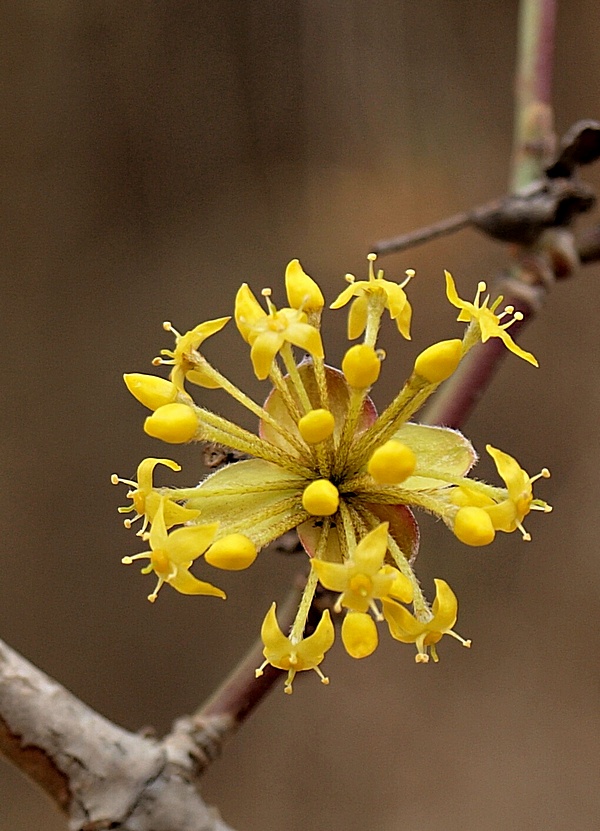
<point x="553" y="201"/>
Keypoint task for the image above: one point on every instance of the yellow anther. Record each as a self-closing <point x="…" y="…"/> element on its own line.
<point x="173" y="423"/>
<point x="361" y="366"/>
<point x="473" y="526"/>
<point x="392" y="463"/>
<point x="316" y="426"/>
<point x="438" y="361"/>
<point x="234" y="552"/>
<point x="150" y="390"/>
<point x="321" y="498"/>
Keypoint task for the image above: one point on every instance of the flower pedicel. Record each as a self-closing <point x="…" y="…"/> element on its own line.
<point x="326" y="464"/>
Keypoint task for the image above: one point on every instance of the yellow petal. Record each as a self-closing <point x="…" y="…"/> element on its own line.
<point x="334" y="576"/>
<point x="359" y="634"/>
<point x="370" y="552"/>
<point x="150" y="390"/>
<point x="445" y="608"/>
<point x="186" y="583"/>
<point x="311" y="650"/>
<point x="302" y="291"/>
<point x="403" y="625"/>
<point x="186" y="544"/>
<point x="265" y="347"/>
<point x="247" y="311"/>
<point x="276" y="643"/>
<point x="357" y="317"/>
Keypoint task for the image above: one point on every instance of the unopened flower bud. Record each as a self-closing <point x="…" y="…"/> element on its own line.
<point x="438" y="361"/>
<point x="316" y="426"/>
<point x="234" y="552"/>
<point x="321" y="498"/>
<point x="361" y="366"/>
<point x="473" y="526"/>
<point x="173" y="423"/>
<point x="392" y="463"/>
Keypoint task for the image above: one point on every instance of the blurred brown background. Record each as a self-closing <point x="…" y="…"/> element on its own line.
<point x="154" y="155"/>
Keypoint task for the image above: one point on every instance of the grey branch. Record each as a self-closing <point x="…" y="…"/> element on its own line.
<point x="98" y="774"/>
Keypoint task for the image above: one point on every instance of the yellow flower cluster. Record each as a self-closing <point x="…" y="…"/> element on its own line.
<point x="326" y="464"/>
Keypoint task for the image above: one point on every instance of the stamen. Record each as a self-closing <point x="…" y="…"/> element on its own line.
<point x="410" y="273"/>
<point x="371" y="258"/>
<point x="350" y="278"/>
<point x="543" y="474"/>
<point x="168" y="327"/>
<point x="466" y="642"/>
<point x="324" y="678"/>
<point x="266" y="293"/>
<point x="375" y="611"/>
<point x="289" y="681"/>
<point x="481" y="287"/>
<point x="508" y="310"/>
<point x="526" y="534"/>
<point x="152" y="597"/>
<point x="116" y="479"/>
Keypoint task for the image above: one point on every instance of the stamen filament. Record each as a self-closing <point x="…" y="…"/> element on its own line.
<point x="254" y="408"/>
<point x="281" y="386"/>
<point x="216" y="428"/>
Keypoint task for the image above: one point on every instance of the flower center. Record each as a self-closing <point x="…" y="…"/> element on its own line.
<point x="361" y="584"/>
<point x="160" y="563"/>
<point x="139" y="501"/>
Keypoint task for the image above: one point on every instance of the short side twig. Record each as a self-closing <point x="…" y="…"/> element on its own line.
<point x="99" y="775"/>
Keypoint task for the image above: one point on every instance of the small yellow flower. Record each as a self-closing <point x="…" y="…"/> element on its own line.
<point x="484" y="510"/>
<point x="171" y="556"/>
<point x="295" y="656"/>
<point x="145" y="500"/>
<point x="268" y="332"/>
<point x="508" y="514"/>
<point x="364" y="577"/>
<point x="491" y="324"/>
<point x="406" y="628"/>
<point x="392" y="295"/>
<point x="174" y="423"/>
<point x="187" y="362"/>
